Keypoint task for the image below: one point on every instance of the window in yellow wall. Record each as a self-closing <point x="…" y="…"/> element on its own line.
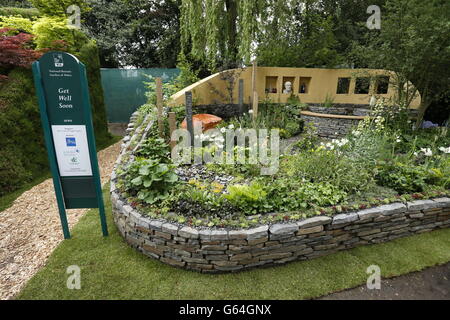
<point x="382" y="84"/>
<point x="305" y="83"/>
<point x="362" y="85"/>
<point x="271" y="84"/>
<point x="343" y="86"/>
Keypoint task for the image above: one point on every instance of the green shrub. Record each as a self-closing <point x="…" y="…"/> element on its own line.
<point x="50" y="29"/>
<point x="12" y="171"/>
<point x="154" y="148"/>
<point x="402" y="177"/>
<point x="20" y="129"/>
<point x="327" y="166"/>
<point x="88" y="55"/>
<point x="29" y="13"/>
<point x="293" y="195"/>
<point x="250" y="199"/>
<point x="16" y="22"/>
<point x="150" y="180"/>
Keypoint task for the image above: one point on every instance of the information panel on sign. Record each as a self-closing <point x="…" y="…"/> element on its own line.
<point x="72" y="150"/>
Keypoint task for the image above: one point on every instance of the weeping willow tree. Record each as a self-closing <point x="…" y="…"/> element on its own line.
<point x="220" y="32"/>
<point x="229" y="33"/>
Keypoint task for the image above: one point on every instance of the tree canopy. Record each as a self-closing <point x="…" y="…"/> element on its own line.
<point x="414" y="42"/>
<point x="139" y="33"/>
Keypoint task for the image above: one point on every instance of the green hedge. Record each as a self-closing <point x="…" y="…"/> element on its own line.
<point x="23" y="12"/>
<point x="88" y="54"/>
<point x="23" y="156"/>
<point x="22" y="150"/>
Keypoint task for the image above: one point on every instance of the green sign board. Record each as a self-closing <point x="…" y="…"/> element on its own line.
<point x="62" y="89"/>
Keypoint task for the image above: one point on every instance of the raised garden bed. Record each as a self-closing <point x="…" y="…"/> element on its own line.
<point x="265" y="239"/>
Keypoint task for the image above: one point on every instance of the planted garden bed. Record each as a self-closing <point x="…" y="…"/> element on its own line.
<point x="378" y="183"/>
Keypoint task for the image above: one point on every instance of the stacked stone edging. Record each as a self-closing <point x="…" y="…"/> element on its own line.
<point x="211" y="250"/>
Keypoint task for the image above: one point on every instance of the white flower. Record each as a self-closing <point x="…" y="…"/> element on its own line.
<point x="231" y="126"/>
<point x="427" y="152"/>
<point x="250" y="111"/>
<point x="444" y="150"/>
<point x="398" y="140"/>
<point x="415" y="154"/>
<point x="223" y="130"/>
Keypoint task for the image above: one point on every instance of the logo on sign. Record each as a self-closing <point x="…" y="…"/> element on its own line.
<point x="71" y="142"/>
<point x="58" y="59"/>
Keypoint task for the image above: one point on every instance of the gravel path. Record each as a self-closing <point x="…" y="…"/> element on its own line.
<point x="30" y="229"/>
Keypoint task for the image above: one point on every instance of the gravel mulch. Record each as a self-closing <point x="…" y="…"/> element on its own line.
<point x="30" y="229"/>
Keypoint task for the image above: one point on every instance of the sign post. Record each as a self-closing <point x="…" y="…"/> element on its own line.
<point x="62" y="89"/>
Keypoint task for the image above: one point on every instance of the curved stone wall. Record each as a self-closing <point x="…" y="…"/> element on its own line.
<point x="211" y="250"/>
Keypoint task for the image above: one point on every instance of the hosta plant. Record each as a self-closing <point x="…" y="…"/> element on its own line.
<point x="150" y="180"/>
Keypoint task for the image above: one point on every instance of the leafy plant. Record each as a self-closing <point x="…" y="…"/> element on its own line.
<point x="17" y="23"/>
<point x="16" y="50"/>
<point x="249" y="198"/>
<point x="402" y="177"/>
<point x="327" y="166"/>
<point x="150" y="180"/>
<point x="329" y="101"/>
<point x="294" y="195"/>
<point x="155" y="149"/>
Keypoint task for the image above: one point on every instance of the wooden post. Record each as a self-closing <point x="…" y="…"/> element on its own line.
<point x="254" y="76"/>
<point x="172" y="127"/>
<point x="255" y="105"/>
<point x="189" y="121"/>
<point x="241" y="96"/>
<point x="159" y="104"/>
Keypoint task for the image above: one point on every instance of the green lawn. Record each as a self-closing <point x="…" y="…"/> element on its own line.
<point x="110" y="269"/>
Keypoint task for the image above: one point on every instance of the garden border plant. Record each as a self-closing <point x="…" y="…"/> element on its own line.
<point x="270" y="239"/>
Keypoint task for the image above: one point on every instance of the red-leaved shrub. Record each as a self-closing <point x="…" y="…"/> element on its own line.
<point x="16" y="50"/>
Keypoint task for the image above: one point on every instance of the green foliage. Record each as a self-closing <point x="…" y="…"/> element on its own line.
<point x="20" y="129"/>
<point x="329" y="101"/>
<point x="294" y="195"/>
<point x="413" y="42"/>
<point x="187" y="75"/>
<point x="402" y="177"/>
<point x="88" y="54"/>
<point x="12" y="171"/>
<point x="139" y="33"/>
<point x="250" y="198"/>
<point x="202" y="200"/>
<point x="309" y="139"/>
<point x="150" y="180"/>
<point x="58" y="7"/>
<point x="168" y="89"/>
<point x="154" y="148"/>
<point x="285" y="117"/>
<point x="29" y="13"/>
<point x="16" y="22"/>
<point x="299" y="40"/>
<point x="414" y="140"/>
<point x="327" y="166"/>
<point x="51" y="29"/>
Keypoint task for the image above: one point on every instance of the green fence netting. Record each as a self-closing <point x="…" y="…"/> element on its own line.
<point x="124" y="90"/>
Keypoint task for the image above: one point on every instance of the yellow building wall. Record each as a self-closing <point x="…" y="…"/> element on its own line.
<point x="323" y="82"/>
